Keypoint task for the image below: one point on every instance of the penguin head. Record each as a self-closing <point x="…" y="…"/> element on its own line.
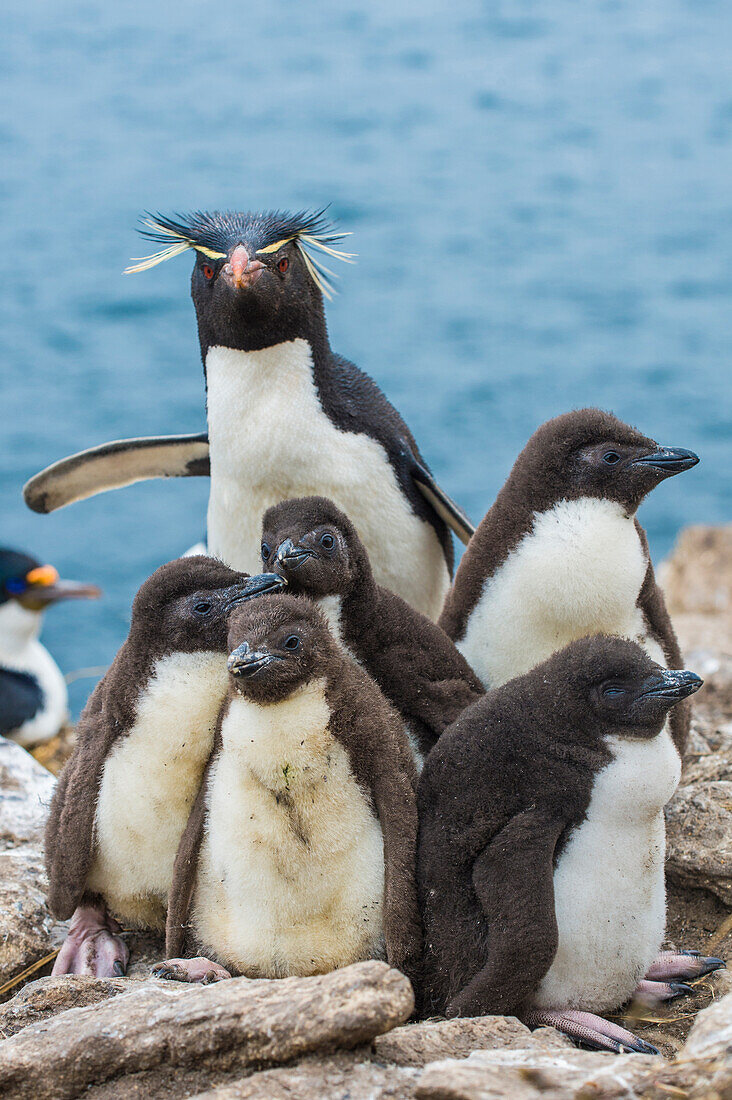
<point x="26" y="583"/>
<point x="612" y="686"/>
<point x="314" y="546"/>
<point x="258" y="278"/>
<point x="276" y="645"/>
<point x="184" y="605"/>
<point x="589" y="452"/>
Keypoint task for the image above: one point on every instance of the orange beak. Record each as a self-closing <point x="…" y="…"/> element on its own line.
<point x="240" y="271"/>
<point x="44" y="588"/>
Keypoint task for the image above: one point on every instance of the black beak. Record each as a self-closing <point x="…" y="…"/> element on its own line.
<point x="38" y="596"/>
<point x="290" y="556"/>
<point x="668" y="460"/>
<point x="671" y="684"/>
<point x="245" y="662"/>
<point x="258" y="585"/>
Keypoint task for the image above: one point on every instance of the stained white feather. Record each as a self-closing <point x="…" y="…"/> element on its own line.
<point x="292" y="868"/>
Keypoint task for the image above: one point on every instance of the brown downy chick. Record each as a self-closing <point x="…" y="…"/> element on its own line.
<point x="542" y="841"/>
<point x="560" y="555"/>
<point x="300" y="854"/>
<point x="143" y="740"/>
<point x="316" y="548"/>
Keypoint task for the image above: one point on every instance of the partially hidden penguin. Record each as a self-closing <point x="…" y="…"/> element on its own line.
<point x="34" y="701"/>
<point x="317" y="550"/>
<point x="300" y="854"/>
<point x="143" y="740"/>
<point x="287" y="416"/>
<point x="542" y="844"/>
<point x="561" y="554"/>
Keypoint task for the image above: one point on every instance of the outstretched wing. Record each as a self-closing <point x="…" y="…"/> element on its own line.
<point x="514" y="881"/>
<point x="446" y="508"/>
<point x="114" y="465"/>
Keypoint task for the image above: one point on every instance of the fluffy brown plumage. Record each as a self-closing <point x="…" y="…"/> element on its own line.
<point x="412" y="660"/>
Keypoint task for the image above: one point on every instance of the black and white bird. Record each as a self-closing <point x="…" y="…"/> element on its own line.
<point x="34" y="702"/>
<point x="287" y="417"/>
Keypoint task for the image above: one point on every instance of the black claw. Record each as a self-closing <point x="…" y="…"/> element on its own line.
<point x="680" y="989"/>
<point x="643" y="1047"/>
<point x="711" y="964"/>
<point x="694" y="954"/>
<point x="119" y="969"/>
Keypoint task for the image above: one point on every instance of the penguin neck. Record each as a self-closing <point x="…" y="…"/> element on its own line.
<point x="315" y="337"/>
<point x="19" y="629"/>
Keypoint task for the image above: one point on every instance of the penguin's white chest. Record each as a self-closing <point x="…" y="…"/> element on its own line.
<point x="21" y="651"/>
<point x="609" y="890"/>
<point x="291" y="873"/>
<point x="270" y="440"/>
<point x="150" y="781"/>
<point x="579" y="571"/>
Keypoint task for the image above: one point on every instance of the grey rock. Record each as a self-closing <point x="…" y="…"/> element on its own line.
<point x="25" y="794"/>
<point x="230" y="1024"/>
<point x="419" y="1044"/>
<point x="699" y="832"/>
<point x="46" y="997"/>
<point x="529" y="1074"/>
<point x="340" y="1077"/>
<point x="697" y="578"/>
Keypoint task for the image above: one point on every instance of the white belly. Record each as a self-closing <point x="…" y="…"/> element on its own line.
<point x="291" y="874"/>
<point x="150" y="782"/>
<point x="609" y="889"/>
<point x="579" y="571"/>
<point x="21" y="651"/>
<point x="271" y="441"/>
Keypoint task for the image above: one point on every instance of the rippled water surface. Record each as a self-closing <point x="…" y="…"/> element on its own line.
<point x="539" y="195"/>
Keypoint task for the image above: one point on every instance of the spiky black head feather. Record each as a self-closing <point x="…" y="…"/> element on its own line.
<point x="259" y="278"/>
<point x="215" y="233"/>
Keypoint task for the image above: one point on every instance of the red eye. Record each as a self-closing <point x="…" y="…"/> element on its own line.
<point x="208" y="271"/>
<point x="283" y="264"/>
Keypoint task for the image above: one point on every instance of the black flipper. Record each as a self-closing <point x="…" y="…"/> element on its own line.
<point x="114" y="465"/>
<point x="514" y="881"/>
<point x="446" y="508"/>
<point x="20" y="699"/>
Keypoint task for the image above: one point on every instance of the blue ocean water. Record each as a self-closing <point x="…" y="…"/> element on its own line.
<point x="539" y="195"/>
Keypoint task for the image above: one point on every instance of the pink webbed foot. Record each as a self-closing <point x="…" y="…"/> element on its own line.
<point x="682" y="966"/>
<point x="199" y="970"/>
<point x="651" y="993"/>
<point x="589" y="1030"/>
<point x="93" y="944"/>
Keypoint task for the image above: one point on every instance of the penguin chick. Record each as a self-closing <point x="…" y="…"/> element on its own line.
<point x="560" y="554"/>
<point x="302" y="845"/>
<point x="542" y="840"/>
<point x="143" y="739"/>
<point x="317" y="549"/>
<point x="34" y="702"/>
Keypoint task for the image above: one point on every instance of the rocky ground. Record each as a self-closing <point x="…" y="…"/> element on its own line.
<point x="346" y="1035"/>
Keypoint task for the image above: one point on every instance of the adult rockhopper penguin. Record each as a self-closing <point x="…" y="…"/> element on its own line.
<point x="561" y="555"/>
<point x="316" y="548"/>
<point x="34" y="702"/>
<point x="300" y="853"/>
<point x="143" y="739"/>
<point x="287" y="416"/>
<point x="542" y="843"/>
